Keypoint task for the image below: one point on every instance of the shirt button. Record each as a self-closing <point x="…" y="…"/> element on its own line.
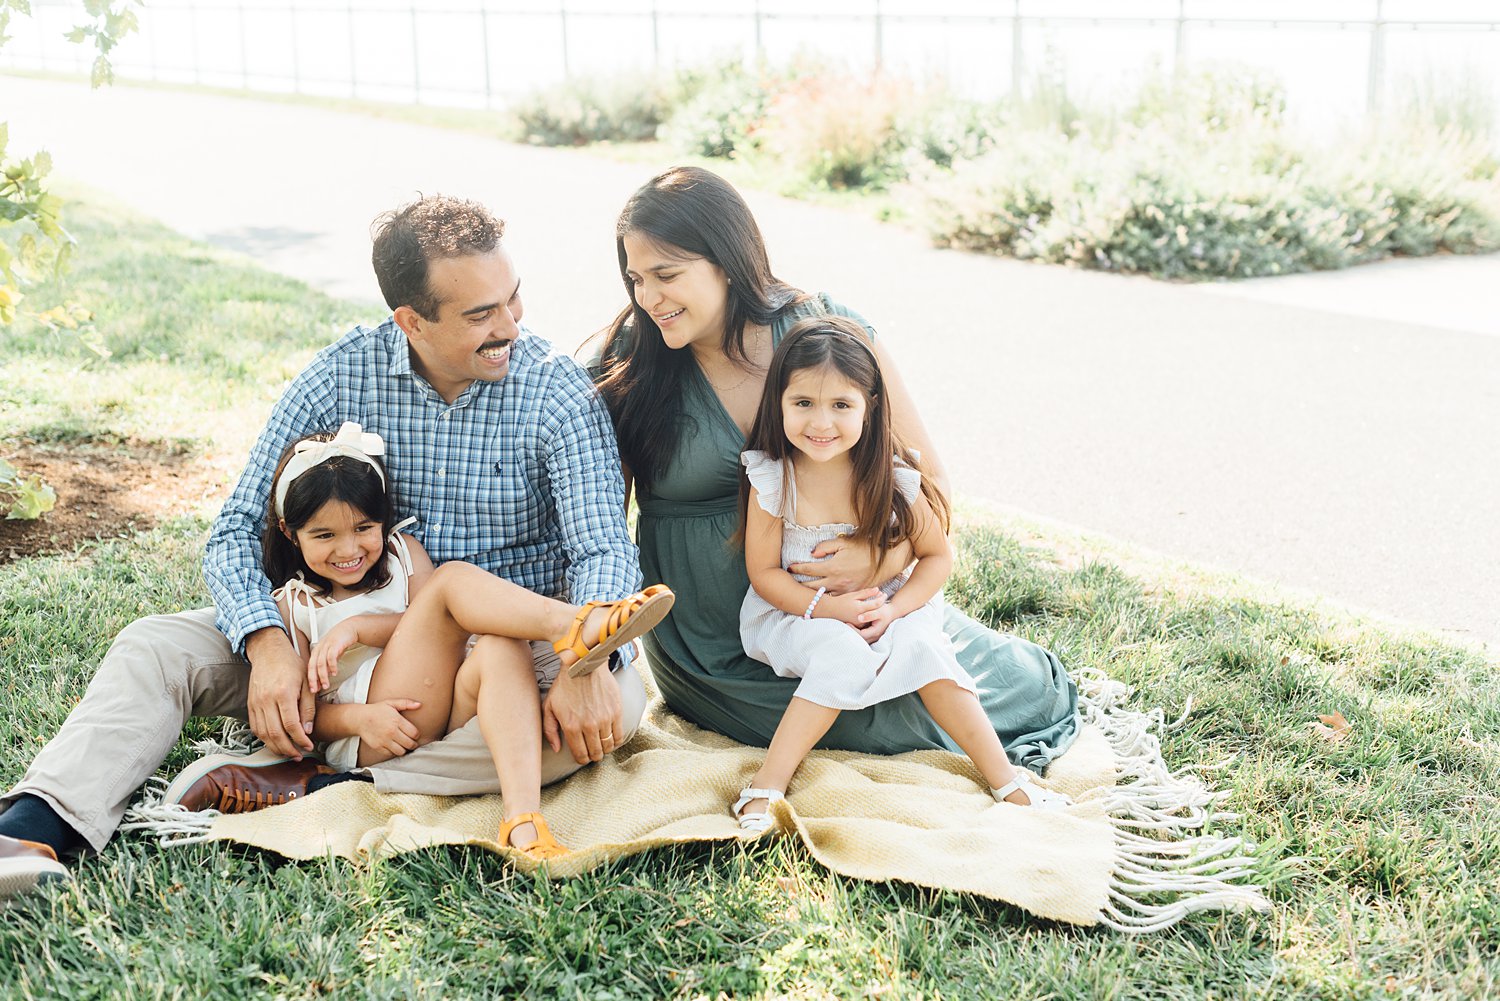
<point x="442" y="472"/>
<point x="447" y="414"/>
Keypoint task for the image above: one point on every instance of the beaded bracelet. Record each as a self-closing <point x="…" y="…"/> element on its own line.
<point x="814" y="603"/>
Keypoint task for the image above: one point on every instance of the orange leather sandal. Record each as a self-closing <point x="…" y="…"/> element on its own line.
<point x="544" y="847"/>
<point x="628" y="618"/>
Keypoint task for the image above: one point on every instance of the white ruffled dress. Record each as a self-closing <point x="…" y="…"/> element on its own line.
<point x="837" y="667"/>
<point x="314" y="613"/>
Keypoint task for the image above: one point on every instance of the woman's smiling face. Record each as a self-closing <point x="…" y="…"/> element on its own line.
<point x="687" y="296"/>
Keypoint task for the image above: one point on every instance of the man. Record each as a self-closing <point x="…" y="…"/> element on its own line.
<point x="494" y="441"/>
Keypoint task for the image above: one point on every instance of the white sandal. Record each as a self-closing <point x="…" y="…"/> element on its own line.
<point x="756" y="822"/>
<point x="1042" y="799"/>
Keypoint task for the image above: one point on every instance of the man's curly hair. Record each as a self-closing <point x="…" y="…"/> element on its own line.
<point x="429" y="229"/>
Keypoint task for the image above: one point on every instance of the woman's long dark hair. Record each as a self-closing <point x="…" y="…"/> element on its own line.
<point x="883" y="516"/>
<point x="687" y="212"/>
<point x="342" y="478"/>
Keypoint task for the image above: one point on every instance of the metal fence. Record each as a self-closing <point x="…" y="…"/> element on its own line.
<point x="482" y="53"/>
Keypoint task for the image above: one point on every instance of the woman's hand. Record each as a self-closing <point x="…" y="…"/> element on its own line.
<point x="383" y="728"/>
<point x="853" y="608"/>
<point x="849" y="565"/>
<point x="324" y="660"/>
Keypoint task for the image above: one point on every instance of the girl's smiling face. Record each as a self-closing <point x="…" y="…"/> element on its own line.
<point x="687" y="296"/>
<point x="339" y="542"/>
<point x="822" y="412"/>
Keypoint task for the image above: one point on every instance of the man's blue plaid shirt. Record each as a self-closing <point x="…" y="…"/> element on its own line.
<point x="521" y="476"/>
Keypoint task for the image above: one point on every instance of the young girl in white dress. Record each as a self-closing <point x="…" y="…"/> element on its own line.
<point x="822" y="462"/>
<point x="377" y="625"/>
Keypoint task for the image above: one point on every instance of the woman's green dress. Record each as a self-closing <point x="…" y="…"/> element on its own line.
<point x="702" y="672"/>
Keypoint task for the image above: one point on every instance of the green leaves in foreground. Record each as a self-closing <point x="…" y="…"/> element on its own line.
<point x="23" y="495"/>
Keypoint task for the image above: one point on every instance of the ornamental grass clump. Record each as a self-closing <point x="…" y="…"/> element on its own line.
<point x="1218" y="189"/>
<point x="589" y="110"/>
<point x="841" y="131"/>
<point x="724" y="110"/>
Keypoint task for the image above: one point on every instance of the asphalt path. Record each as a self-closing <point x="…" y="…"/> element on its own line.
<point x="1335" y="434"/>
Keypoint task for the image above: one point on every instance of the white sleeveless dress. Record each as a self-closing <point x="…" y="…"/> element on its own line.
<point x="838" y="668"/>
<point x="314" y="613"/>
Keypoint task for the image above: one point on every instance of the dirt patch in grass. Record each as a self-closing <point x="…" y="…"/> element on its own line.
<point x="107" y="490"/>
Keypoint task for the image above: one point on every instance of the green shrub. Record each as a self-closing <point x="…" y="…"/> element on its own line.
<point x="1216" y="205"/>
<point x="722" y="111"/>
<point x="840" y="131"/>
<point x="593" y="109"/>
<point x="943" y="130"/>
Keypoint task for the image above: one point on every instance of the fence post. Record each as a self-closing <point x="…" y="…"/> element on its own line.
<point x="484" y="42"/>
<point x="1017" y="72"/>
<point x="562" y="23"/>
<point x="150" y="41"/>
<point x="296" y="56"/>
<point x="193" y="34"/>
<point x="244" y="52"/>
<point x="1377" y="59"/>
<point x="655" y="37"/>
<point x="1179" y="51"/>
<point x="353" y="56"/>
<point x="760" y="50"/>
<point x="879" y="38"/>
<point x="416" y="61"/>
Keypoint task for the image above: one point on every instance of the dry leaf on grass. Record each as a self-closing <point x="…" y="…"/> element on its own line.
<point x="1332" y="728"/>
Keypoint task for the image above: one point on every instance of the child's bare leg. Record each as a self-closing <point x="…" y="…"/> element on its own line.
<point x="498" y="685"/>
<point x="461" y="600"/>
<point x="425" y="652"/>
<point x="802" y="725"/>
<point x="958" y="712"/>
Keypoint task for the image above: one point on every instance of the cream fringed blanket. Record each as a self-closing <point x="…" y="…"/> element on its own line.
<point x="1131" y="854"/>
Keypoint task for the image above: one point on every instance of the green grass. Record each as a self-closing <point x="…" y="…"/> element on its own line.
<point x="1378" y="854"/>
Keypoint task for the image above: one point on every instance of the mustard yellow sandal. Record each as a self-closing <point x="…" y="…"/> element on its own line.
<point x="543" y="848"/>
<point x="628" y="619"/>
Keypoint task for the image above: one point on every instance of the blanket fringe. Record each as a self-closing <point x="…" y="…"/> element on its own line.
<point x="173" y="824"/>
<point x="1193" y="871"/>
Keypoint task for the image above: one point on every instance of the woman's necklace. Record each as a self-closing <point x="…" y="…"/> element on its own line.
<point x="726" y="390"/>
<point x="752" y="370"/>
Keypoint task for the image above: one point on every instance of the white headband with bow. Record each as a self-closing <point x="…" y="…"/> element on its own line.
<point x="352" y="440"/>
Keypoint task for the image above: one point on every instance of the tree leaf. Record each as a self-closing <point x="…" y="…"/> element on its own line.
<point x="1333" y="728"/>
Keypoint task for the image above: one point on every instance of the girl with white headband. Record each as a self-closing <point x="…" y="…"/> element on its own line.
<point x="377" y="625"/>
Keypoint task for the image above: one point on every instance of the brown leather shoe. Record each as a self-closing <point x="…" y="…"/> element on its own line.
<point x="239" y="783"/>
<point x="24" y="864"/>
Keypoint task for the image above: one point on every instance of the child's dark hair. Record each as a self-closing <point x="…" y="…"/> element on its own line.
<point x="883" y="517"/>
<point x="342" y="478"/>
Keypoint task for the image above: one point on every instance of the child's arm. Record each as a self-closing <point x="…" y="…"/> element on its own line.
<point x="380" y="726"/>
<point x="934" y="563"/>
<point x="299" y="638"/>
<point x="421" y="567"/>
<point x="781" y="589"/>
<point x="373" y="630"/>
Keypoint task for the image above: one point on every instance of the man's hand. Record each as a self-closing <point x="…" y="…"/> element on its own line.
<point x="848" y="565"/>
<point x="586" y="713"/>
<point x="279" y="701"/>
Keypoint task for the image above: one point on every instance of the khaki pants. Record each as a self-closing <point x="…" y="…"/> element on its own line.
<point x="163" y="669"/>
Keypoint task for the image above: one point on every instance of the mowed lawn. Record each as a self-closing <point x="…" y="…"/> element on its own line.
<point x="1377" y="850"/>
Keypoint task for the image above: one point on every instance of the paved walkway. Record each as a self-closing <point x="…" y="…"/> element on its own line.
<point x="1338" y="433"/>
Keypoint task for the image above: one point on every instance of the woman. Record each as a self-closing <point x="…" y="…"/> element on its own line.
<point x="682" y="370"/>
